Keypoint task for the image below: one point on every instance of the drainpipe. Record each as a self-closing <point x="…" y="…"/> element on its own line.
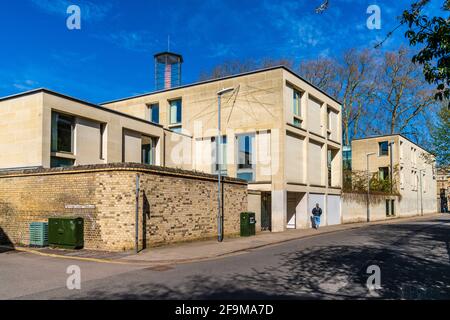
<point x="137" y="214"/>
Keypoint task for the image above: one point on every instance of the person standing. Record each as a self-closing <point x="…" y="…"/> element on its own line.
<point x="316" y="212"/>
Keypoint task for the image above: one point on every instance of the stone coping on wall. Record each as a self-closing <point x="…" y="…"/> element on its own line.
<point x="143" y="168"/>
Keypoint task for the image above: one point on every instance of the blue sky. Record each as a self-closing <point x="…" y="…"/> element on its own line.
<point x="112" y="55"/>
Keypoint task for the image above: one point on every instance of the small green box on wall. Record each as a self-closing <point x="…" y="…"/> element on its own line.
<point x="66" y="233"/>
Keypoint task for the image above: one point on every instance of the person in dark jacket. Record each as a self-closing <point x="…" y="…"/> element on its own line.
<point x="316" y="212"/>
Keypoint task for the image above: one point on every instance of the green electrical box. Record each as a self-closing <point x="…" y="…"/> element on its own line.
<point x="248" y="223"/>
<point x="66" y="233"/>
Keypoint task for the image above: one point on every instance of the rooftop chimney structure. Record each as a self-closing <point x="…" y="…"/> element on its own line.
<point x="167" y="70"/>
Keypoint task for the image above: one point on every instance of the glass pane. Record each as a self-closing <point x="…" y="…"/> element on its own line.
<point x="56" y="162"/>
<point x="54" y="141"/>
<point x="223" y="155"/>
<point x="175" y="111"/>
<point x="154" y="110"/>
<point x="245" y="151"/>
<point x="62" y="130"/>
<point x="296" y="103"/>
<point x="384" y="148"/>
<point x="248" y="176"/>
<point x="148" y="150"/>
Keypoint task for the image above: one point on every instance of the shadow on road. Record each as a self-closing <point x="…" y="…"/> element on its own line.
<point x="413" y="258"/>
<point x="5" y="241"/>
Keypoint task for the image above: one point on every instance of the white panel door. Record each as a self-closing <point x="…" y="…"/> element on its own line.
<point x="334" y="209"/>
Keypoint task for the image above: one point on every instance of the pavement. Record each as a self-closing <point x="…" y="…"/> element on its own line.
<point x="412" y="257"/>
<point x="206" y="250"/>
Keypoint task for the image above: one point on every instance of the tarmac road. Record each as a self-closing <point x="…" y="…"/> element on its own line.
<point x="413" y="258"/>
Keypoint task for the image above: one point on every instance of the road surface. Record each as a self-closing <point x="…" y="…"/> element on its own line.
<point x="412" y="256"/>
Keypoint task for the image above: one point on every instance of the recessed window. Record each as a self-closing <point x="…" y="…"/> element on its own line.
<point x="296" y="103"/>
<point x="62" y="133"/>
<point x="296" y="108"/>
<point x="175" y="111"/>
<point x="383" y="173"/>
<point x="102" y="141"/>
<point x="383" y="148"/>
<point x="223" y="155"/>
<point x="246" y="166"/>
<point x="154" y="112"/>
<point x="148" y="148"/>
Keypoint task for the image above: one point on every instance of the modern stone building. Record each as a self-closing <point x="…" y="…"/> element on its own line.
<point x="411" y="168"/>
<point x="280" y="133"/>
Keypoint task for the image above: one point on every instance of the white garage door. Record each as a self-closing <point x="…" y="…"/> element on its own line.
<point x="334" y="210"/>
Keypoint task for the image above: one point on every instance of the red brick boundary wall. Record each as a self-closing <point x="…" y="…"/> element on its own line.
<point x="174" y="205"/>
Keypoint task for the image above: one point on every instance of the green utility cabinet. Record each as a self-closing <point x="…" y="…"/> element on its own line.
<point x="38" y="234"/>
<point x="66" y="233"/>
<point x="248" y="223"/>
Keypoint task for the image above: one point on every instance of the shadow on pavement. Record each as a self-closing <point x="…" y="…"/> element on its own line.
<point x="413" y="258"/>
<point x="5" y="241"/>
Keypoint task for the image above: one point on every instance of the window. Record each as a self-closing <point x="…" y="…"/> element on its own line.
<point x="329" y="161"/>
<point x="245" y="161"/>
<point x="102" y="141"/>
<point x="223" y="155"/>
<point x="390" y="207"/>
<point x="383" y="173"/>
<point x="148" y="150"/>
<point x="62" y="133"/>
<point x="154" y="112"/>
<point x="296" y="108"/>
<point x="57" y="162"/>
<point x="402" y="178"/>
<point x="297" y="103"/>
<point x="175" y="111"/>
<point x="383" y="148"/>
<point x="347" y="157"/>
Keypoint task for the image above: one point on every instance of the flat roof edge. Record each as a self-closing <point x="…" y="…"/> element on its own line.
<point x="391" y="135"/>
<point x="90" y="104"/>
<point x="198" y="83"/>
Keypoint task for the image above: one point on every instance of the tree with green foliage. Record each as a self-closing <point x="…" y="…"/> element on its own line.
<point x="441" y="137"/>
<point x="433" y="34"/>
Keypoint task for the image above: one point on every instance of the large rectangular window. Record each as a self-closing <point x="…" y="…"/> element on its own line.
<point x="296" y="108"/>
<point x="148" y="149"/>
<point x="246" y="165"/>
<point x="223" y="155"/>
<point x="154" y="112"/>
<point x="383" y="173"/>
<point x="383" y="148"/>
<point x="62" y="133"/>
<point x="175" y="111"/>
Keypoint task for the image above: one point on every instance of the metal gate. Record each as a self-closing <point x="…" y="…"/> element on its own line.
<point x="266" y="211"/>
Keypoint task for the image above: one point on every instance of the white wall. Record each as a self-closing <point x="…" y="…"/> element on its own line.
<point x="315" y="161"/>
<point x="314" y="116"/>
<point x="294" y="159"/>
<point x="132" y="146"/>
<point x="87" y="142"/>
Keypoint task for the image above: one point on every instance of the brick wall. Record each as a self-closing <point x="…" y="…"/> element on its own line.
<point x="174" y="205"/>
